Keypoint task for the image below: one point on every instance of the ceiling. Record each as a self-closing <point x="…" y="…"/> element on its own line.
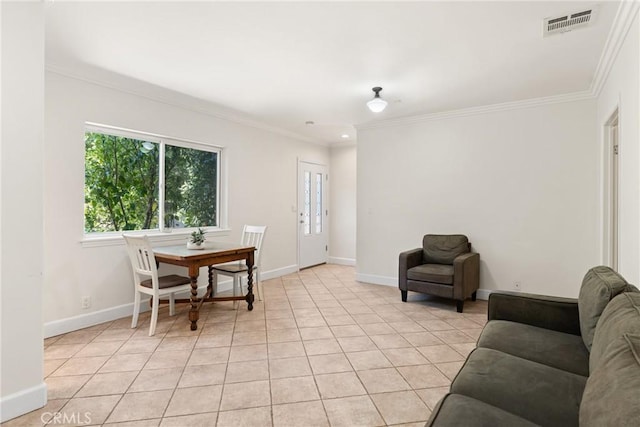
<point x="286" y="63"/>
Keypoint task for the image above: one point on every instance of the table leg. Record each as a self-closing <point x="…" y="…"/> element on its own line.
<point x="250" y="296"/>
<point x="210" y="285"/>
<point x="194" y="314"/>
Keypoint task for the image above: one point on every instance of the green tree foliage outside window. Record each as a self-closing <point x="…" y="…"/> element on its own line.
<point x="191" y="190"/>
<point x="122" y="178"/>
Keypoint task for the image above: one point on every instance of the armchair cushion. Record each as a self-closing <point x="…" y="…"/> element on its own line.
<point x="443" y="249"/>
<point x="436" y="273"/>
<point x="599" y="286"/>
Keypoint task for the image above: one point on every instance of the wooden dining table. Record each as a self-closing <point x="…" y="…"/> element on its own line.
<point x="194" y="259"/>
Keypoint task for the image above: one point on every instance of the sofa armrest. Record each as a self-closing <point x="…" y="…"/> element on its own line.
<point x="466" y="275"/>
<point x="555" y="313"/>
<point x="407" y="260"/>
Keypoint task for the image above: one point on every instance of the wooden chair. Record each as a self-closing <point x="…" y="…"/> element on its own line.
<point x="252" y="235"/>
<point x="146" y="280"/>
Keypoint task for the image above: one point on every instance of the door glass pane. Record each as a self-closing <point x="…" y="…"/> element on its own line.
<point x="190" y="187"/>
<point x="318" y="203"/>
<point x="307" y="202"/>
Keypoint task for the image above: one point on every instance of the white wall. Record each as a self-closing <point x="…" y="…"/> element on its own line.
<point x="621" y="90"/>
<point x="521" y="184"/>
<point x="342" y="181"/>
<point x="22" y="83"/>
<point x="260" y="175"/>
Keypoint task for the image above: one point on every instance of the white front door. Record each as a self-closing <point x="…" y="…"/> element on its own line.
<point x="312" y="214"/>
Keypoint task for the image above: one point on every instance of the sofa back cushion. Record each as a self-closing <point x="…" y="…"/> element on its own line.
<point x="444" y="248"/>
<point x="599" y="286"/>
<point x="611" y="395"/>
<point x="622" y="316"/>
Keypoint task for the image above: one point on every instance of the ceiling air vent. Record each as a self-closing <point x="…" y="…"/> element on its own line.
<point x="562" y="24"/>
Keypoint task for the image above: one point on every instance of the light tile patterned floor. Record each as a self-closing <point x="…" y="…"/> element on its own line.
<point x="321" y="349"/>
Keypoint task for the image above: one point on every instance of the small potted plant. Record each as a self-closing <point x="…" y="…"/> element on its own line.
<point x="196" y="241"/>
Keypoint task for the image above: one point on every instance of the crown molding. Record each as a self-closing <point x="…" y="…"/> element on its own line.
<point x="169" y="97"/>
<point x="620" y="28"/>
<point x="621" y="24"/>
<point x="339" y="145"/>
<point x="484" y="109"/>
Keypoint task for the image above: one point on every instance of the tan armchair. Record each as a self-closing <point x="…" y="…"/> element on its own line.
<point x="444" y="267"/>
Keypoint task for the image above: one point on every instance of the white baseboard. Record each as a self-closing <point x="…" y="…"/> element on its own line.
<point x="81" y="321"/>
<point x="377" y="280"/>
<point x="342" y="261"/>
<point x="62" y="326"/>
<point x="482" y="294"/>
<point x="279" y="272"/>
<point x="24" y="401"/>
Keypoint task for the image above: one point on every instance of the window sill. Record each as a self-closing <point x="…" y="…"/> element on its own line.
<point x="154" y="236"/>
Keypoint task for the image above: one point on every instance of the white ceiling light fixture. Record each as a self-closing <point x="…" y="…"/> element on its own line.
<point x="377" y="104"/>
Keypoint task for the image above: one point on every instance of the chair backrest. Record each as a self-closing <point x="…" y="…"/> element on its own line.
<point x="253" y="235"/>
<point x="143" y="261"/>
<point x="444" y="248"/>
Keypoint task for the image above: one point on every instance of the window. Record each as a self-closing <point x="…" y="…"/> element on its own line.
<point x="318" y="203"/>
<point x="136" y="181"/>
<point x="307" y="202"/>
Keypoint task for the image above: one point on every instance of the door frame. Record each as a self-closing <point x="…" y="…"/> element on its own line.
<point x="611" y="189"/>
<point x="298" y="207"/>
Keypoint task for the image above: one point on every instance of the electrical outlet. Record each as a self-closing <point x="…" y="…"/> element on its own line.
<point x="517" y="286"/>
<point x="86" y="302"/>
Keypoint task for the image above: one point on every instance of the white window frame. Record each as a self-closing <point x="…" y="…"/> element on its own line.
<point x="161" y="234"/>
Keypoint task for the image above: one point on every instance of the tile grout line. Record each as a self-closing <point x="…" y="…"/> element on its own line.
<point x="315" y="382"/>
<point x="313" y="375"/>
<point x="139" y="371"/>
<point x="92" y="375"/>
<point x="330" y="286"/>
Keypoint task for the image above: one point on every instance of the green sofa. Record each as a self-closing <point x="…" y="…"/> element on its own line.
<point x="553" y="361"/>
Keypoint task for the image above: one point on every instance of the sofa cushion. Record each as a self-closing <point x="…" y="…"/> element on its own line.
<point x="456" y="410"/>
<point x="443" y="249"/>
<point x="551" y="348"/>
<point x="622" y="316"/>
<point x="599" y="286"/>
<point x="611" y="395"/>
<point x="436" y="273"/>
<point x="531" y="390"/>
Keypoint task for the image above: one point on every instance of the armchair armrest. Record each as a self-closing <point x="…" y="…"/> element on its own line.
<point x="407" y="260"/>
<point x="555" y="313"/>
<point x="466" y="275"/>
